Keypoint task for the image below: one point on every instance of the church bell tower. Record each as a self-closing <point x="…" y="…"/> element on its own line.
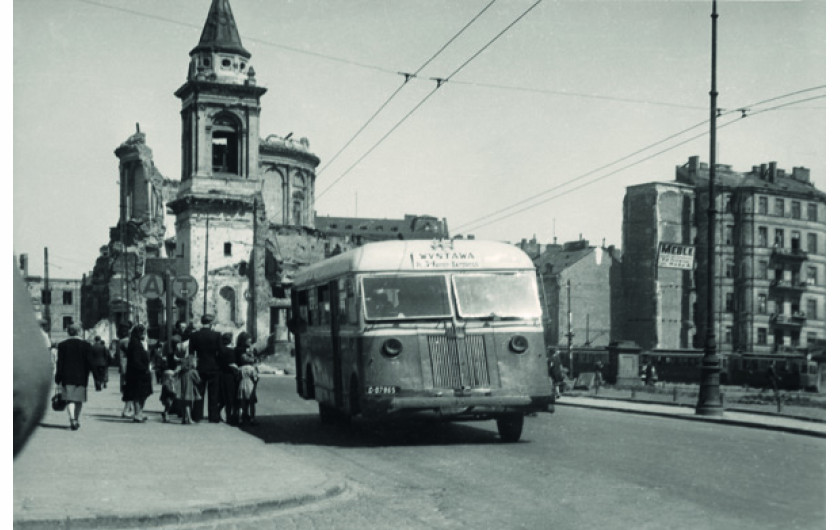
<point x="220" y="109"/>
<point x="219" y="198"/>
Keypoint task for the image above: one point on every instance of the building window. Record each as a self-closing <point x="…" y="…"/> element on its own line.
<point x="67" y="297"/>
<point x="811" y="309"/>
<point x="812" y="211"/>
<point x="730" y="303"/>
<point x="762" y="304"/>
<point x="811" y="338"/>
<point x="762" y="205"/>
<point x="762" y="236"/>
<point x="730" y="269"/>
<point x="226" y="307"/>
<point x="812" y="243"/>
<point x="812" y="275"/>
<point x="762" y="270"/>
<point x="727" y="203"/>
<point x="728" y="234"/>
<point x="66" y="322"/>
<point x="296" y="213"/>
<point x="779" y="239"/>
<point x="794" y="240"/>
<point x="779" y="208"/>
<point x="727" y="335"/>
<point x="796" y="209"/>
<point x="762" y="336"/>
<point x="228" y="249"/>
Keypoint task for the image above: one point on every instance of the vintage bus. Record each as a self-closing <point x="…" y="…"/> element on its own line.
<point x="450" y="330"/>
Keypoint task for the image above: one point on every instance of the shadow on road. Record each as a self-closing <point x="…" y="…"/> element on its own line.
<point x="307" y="429"/>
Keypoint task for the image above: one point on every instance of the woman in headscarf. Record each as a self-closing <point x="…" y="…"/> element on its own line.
<point x="138" y="376"/>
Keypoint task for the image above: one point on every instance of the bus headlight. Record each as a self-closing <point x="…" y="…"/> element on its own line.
<point x="518" y="343"/>
<point x="392" y="347"/>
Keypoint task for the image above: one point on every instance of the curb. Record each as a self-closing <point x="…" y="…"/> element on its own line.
<point x="707" y="419"/>
<point x="730" y="409"/>
<point x="198" y="515"/>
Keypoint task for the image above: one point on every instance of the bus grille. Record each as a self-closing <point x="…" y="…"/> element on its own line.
<point x="450" y="372"/>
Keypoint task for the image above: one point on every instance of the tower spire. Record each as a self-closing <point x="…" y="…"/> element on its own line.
<point x="220" y="33"/>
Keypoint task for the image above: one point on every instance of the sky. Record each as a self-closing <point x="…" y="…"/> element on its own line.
<point x="542" y="123"/>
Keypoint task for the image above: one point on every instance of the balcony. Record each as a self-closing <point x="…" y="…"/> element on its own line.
<point x="789" y="254"/>
<point x="796" y="320"/>
<point x="787" y="285"/>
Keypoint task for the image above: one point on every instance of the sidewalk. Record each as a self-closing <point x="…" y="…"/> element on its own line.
<point x="730" y="417"/>
<point x="113" y="473"/>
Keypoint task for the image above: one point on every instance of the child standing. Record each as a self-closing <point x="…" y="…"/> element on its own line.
<point x="188" y="389"/>
<point x="248" y="377"/>
<point x="247" y="393"/>
<point x="168" y="393"/>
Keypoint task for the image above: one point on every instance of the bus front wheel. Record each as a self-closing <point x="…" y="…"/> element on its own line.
<point x="328" y="413"/>
<point x="510" y="427"/>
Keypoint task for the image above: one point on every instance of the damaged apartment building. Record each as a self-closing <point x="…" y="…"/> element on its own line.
<point x="240" y="220"/>
<point x="769" y="261"/>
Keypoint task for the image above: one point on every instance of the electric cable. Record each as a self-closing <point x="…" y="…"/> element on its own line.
<point x="440" y="83"/>
<point x="469" y="226"/>
<point x="408" y="77"/>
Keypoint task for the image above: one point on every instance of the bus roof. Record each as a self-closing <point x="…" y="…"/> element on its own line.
<point x="418" y="256"/>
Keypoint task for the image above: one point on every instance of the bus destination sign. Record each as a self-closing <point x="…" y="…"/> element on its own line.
<point x="444" y="259"/>
<point x="675" y="256"/>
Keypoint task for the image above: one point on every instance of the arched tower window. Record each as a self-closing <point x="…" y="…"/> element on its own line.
<point x="226" y="308"/>
<point x="226" y="145"/>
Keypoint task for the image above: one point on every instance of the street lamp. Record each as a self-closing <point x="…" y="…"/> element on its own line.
<point x="708" y="398"/>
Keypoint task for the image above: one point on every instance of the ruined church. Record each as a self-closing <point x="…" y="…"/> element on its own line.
<point x="240" y="220"/>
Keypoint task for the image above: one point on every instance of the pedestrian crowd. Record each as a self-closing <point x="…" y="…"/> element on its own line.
<point x="197" y="370"/>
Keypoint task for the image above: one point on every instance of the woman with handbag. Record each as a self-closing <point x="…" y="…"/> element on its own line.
<point x="138" y="375"/>
<point x="71" y="372"/>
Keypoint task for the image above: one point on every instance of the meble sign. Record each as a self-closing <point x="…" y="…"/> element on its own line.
<point x="675" y="256"/>
<point x="444" y="259"/>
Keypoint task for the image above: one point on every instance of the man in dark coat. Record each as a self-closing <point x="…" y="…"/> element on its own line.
<point x="206" y="345"/>
<point x="99" y="363"/>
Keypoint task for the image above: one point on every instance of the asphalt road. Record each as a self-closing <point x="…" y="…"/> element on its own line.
<point x="576" y="468"/>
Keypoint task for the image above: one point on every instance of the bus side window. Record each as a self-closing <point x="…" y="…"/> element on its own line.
<point x="301" y="319"/>
<point x="312" y="298"/>
<point x="350" y="307"/>
<point x="324" y="305"/>
<point x="342" y="302"/>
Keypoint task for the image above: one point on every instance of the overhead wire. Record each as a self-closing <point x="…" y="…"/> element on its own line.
<point x="390" y="71"/>
<point x="440" y="83"/>
<point x="473" y="226"/>
<point x="408" y="77"/>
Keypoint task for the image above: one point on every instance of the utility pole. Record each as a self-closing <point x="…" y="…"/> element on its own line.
<point x="46" y="298"/>
<point x="570" y="333"/>
<point x="206" y="250"/>
<point x="708" y="398"/>
<point x="169" y="320"/>
<point x="252" y="303"/>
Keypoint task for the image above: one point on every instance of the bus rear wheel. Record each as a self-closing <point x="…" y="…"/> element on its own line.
<point x="510" y="427"/>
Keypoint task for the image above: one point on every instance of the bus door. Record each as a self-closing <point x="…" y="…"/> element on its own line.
<point x="335" y="329"/>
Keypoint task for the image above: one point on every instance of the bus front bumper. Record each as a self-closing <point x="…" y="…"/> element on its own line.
<point x="454" y="407"/>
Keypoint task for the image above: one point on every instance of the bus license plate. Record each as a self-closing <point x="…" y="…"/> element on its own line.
<point x="381" y="390"/>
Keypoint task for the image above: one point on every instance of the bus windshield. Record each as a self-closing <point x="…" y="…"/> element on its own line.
<point x="405" y="297"/>
<point x="499" y="295"/>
